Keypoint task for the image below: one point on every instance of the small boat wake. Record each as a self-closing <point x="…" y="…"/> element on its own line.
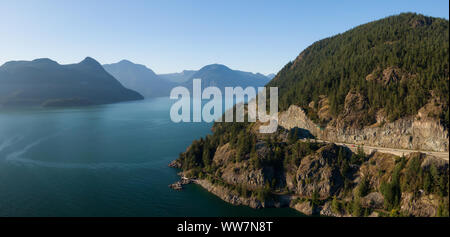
<point x="18" y="158"/>
<point x="90" y="166"/>
<point x="9" y="142"/>
<point x="17" y="154"/>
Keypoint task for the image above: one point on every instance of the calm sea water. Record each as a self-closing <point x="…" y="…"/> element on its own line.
<point x="108" y="160"/>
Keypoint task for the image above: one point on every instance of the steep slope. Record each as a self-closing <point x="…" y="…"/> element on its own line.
<point x="139" y="78"/>
<point x="384" y="83"/>
<point x="244" y="167"/>
<point x="45" y="82"/>
<point x="391" y="68"/>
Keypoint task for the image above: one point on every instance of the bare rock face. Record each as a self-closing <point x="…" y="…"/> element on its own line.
<point x="379" y="167"/>
<point x="373" y="200"/>
<point x="324" y="112"/>
<point x="388" y="75"/>
<point x="426" y="21"/>
<point x="440" y="164"/>
<point x="355" y="111"/>
<point x="240" y="173"/>
<point x="318" y="173"/>
<point x="291" y="178"/>
<point x="305" y="208"/>
<point x="229" y="195"/>
<point x="414" y="132"/>
<point x="296" y="117"/>
<point x="244" y="174"/>
<point x="223" y="155"/>
<point x="425" y="206"/>
<point x="175" y="164"/>
<point x="234" y="198"/>
<point x="179" y="184"/>
<point x="327" y="210"/>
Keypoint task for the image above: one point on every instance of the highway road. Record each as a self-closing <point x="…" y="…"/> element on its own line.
<point x="394" y="151"/>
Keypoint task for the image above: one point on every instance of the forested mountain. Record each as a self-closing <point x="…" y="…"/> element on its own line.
<point x="139" y="78"/>
<point x="396" y="64"/>
<point x="384" y="83"/>
<point x="45" y="82"/>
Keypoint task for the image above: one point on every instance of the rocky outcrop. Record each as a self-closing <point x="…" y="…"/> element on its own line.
<point x="179" y="184"/>
<point x="175" y="164"/>
<point x="243" y="173"/>
<point x="229" y="195"/>
<point x="429" y="161"/>
<point x="318" y="178"/>
<point x="240" y="173"/>
<point x="305" y="208"/>
<point x="327" y="210"/>
<point x="379" y="168"/>
<point x="354" y="114"/>
<point x="424" y="206"/>
<point x="418" y="132"/>
<point x="295" y="117"/>
<point x="389" y="75"/>
<point x="319" y="173"/>
<point x="374" y="200"/>
<point x="324" y="111"/>
<point x="223" y="155"/>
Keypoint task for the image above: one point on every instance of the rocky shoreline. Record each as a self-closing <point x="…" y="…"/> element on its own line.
<point x="229" y="196"/>
<point x="179" y="184"/>
<point x="314" y="177"/>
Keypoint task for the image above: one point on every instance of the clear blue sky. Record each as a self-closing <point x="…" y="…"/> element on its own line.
<point x="169" y="36"/>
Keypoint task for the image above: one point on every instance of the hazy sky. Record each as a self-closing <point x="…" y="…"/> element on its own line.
<point x="169" y="36"/>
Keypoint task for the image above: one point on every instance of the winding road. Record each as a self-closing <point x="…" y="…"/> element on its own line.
<point x="394" y="151"/>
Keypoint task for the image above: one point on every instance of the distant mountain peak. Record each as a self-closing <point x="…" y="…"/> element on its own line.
<point x="40" y="63"/>
<point x="90" y="61"/>
<point x="128" y="63"/>
<point x="45" y="61"/>
<point x="124" y="61"/>
<point x="138" y="77"/>
<point x="215" y="66"/>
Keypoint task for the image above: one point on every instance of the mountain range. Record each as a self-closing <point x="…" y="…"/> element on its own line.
<point x="45" y="82"/>
<point x="222" y="76"/>
<point x="143" y="80"/>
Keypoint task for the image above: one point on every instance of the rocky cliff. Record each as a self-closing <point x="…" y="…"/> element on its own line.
<point x="322" y="179"/>
<point x="381" y="84"/>
<point x="418" y="132"/>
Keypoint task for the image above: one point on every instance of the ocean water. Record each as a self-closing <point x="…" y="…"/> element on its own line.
<point x="108" y="160"/>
